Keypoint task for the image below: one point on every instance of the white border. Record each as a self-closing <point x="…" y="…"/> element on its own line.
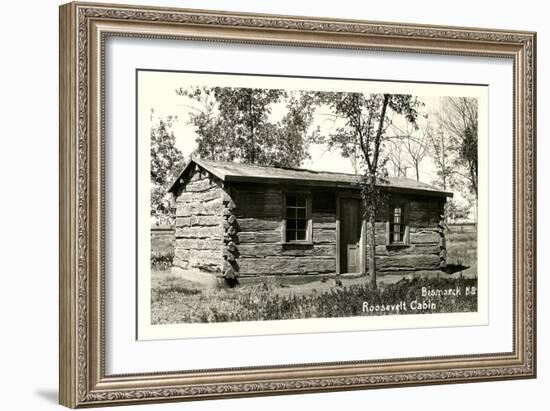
<point x="126" y="355"/>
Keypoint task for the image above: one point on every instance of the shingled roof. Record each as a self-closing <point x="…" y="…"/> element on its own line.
<point x="238" y="172"/>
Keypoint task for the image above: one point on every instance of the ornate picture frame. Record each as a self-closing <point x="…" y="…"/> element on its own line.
<point x="84" y="29"/>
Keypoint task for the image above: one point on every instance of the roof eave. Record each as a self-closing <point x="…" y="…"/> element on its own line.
<point x="294" y="181"/>
<point x="176" y="181"/>
<point x="432" y="193"/>
<point x="207" y="167"/>
<point x="335" y="184"/>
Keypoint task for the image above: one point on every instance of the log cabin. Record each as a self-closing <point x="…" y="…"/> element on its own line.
<point x="242" y="221"/>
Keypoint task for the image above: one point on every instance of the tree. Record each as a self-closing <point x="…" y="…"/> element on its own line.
<point x="416" y="147"/>
<point x="209" y="127"/>
<point x="166" y="161"/>
<point x="455" y="211"/>
<point x="440" y="152"/>
<point x="409" y="146"/>
<point x="233" y="124"/>
<point x="293" y="131"/>
<point x="397" y="158"/>
<point x="459" y="117"/>
<point x="444" y="159"/>
<point x="366" y="120"/>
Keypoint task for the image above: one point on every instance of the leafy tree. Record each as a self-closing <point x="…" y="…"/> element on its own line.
<point x="292" y="132"/>
<point x="459" y="117"/>
<point x="366" y="118"/>
<point x="166" y="161"/>
<point x="246" y="111"/>
<point x="448" y="176"/>
<point x="456" y="212"/>
<point x="212" y="131"/>
<point x="233" y="124"/>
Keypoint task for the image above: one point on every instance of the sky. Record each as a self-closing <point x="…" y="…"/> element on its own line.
<point x="163" y="101"/>
<point x="166" y="102"/>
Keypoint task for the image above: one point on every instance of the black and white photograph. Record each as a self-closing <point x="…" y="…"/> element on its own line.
<point x="275" y="205"/>
<point x="286" y="198"/>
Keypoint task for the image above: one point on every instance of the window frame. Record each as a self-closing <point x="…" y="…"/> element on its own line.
<point x="309" y="223"/>
<point x="404" y="205"/>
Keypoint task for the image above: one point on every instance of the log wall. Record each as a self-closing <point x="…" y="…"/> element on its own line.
<point x="258" y="239"/>
<point x="426" y="249"/>
<point x="199" y="225"/>
<point x="237" y="232"/>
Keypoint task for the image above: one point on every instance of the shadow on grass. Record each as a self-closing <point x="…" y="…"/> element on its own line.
<point x="454" y="268"/>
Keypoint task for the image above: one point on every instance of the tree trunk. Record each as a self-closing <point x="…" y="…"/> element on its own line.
<point x="372" y="251"/>
<point x="371" y="207"/>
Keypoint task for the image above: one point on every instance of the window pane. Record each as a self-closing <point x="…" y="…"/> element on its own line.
<point x="291" y="200"/>
<point x="291" y="235"/>
<point x="397" y="215"/>
<point x="296" y="217"/>
<point x="397" y="224"/>
<point x="397" y="233"/>
<point x="301" y="224"/>
<point x="291" y="213"/>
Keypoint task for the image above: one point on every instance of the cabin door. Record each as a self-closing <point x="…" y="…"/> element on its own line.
<point x="350" y="235"/>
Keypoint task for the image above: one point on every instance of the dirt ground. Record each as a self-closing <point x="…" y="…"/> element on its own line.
<point x="285" y="289"/>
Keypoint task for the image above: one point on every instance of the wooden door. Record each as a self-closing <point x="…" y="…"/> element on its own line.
<point x="350" y="235"/>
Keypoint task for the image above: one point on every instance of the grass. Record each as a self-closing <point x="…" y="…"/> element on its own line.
<point x="174" y="300"/>
<point x="162" y="261"/>
<point x="462" y="249"/>
<point x="179" y="301"/>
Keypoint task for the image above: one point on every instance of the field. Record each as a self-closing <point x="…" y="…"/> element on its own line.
<point x="175" y="300"/>
<point x="462" y="247"/>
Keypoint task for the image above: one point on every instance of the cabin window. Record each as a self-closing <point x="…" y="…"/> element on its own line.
<point x="397" y="225"/>
<point x="297" y="223"/>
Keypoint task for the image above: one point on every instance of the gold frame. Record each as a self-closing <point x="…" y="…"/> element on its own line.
<point x="83" y="30"/>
